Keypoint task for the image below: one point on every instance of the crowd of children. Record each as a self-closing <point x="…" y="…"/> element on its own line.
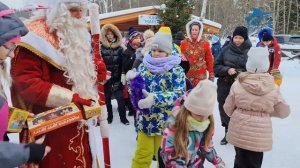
<point x="174" y="112"/>
<point x="247" y="88"/>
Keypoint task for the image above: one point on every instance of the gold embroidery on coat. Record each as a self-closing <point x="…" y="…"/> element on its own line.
<point x="78" y="149"/>
<point x="197" y="50"/>
<point x="194" y="76"/>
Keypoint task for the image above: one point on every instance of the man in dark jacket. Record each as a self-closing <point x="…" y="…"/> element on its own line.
<point x="112" y="50"/>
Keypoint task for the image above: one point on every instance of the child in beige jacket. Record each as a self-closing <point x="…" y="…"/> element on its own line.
<point x="252" y="101"/>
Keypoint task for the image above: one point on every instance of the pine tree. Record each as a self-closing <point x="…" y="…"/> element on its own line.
<point x="176" y="14"/>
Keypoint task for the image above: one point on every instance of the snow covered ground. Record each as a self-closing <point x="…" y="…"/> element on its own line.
<point x="286" y="132"/>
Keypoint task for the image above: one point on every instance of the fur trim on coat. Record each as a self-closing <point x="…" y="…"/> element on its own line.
<point x="116" y="32"/>
<point x="188" y="29"/>
<point x="148" y="37"/>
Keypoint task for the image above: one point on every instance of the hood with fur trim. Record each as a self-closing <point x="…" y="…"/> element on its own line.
<point x="116" y="32"/>
<point x="258" y="83"/>
<point x="148" y="37"/>
<point x="148" y="34"/>
<point x="147" y="47"/>
<point x="188" y="29"/>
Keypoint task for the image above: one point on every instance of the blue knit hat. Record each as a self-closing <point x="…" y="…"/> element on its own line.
<point x="132" y="33"/>
<point x="267" y="32"/>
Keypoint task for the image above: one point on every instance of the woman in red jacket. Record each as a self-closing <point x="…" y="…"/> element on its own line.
<point x="198" y="53"/>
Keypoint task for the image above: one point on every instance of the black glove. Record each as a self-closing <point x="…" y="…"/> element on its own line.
<point x="36" y="153"/>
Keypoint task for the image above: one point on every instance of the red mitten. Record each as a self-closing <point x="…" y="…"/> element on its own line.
<point x="79" y="102"/>
<point x="101" y="69"/>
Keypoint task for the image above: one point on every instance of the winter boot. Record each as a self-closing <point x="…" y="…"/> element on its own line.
<point x="131" y="113"/>
<point x="224" y="141"/>
<point x="109" y="113"/>
<point x="125" y="121"/>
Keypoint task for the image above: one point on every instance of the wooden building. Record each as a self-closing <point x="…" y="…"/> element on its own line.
<point x="130" y="17"/>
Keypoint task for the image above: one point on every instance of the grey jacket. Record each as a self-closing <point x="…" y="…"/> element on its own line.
<point x="10" y="26"/>
<point x="13" y="155"/>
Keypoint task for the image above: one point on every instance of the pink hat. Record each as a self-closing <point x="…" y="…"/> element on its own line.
<point x="202" y="98"/>
<point x="14" y="40"/>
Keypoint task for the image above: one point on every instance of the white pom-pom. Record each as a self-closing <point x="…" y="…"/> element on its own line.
<point x="94" y="18"/>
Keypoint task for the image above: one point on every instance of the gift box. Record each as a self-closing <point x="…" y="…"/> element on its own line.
<point x="91" y="111"/>
<point x="17" y="119"/>
<point x="54" y="119"/>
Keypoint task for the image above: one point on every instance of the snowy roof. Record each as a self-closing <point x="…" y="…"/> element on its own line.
<point x="141" y="9"/>
<point x="208" y="22"/>
<point x="127" y="11"/>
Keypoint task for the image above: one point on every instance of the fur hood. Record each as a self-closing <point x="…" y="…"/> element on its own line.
<point x="147" y="46"/>
<point x="258" y="84"/>
<point x="116" y="32"/>
<point x="148" y="37"/>
<point x="188" y="29"/>
<point x="148" y="34"/>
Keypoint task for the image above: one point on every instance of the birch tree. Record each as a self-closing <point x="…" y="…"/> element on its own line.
<point x="203" y="10"/>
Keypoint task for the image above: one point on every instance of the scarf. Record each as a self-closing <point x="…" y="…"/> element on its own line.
<point x="195" y="125"/>
<point x="161" y="65"/>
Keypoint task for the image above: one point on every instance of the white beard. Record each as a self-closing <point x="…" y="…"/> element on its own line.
<point x="74" y="42"/>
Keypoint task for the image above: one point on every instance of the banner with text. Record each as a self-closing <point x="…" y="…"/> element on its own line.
<point x="149" y="20"/>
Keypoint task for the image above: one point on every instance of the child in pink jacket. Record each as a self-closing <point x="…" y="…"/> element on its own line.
<point x="252" y="101"/>
<point x="184" y="138"/>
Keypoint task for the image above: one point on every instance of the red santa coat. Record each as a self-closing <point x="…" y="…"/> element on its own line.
<point x="200" y="58"/>
<point x="39" y="85"/>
